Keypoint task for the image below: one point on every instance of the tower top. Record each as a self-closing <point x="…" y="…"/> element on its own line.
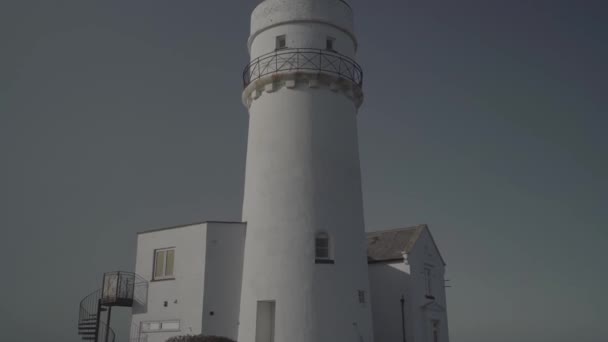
<point x="272" y="13"/>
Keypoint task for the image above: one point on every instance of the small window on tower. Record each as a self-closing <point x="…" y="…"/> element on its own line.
<point x="322" y="249"/>
<point x="281" y="42"/>
<point x="329" y="43"/>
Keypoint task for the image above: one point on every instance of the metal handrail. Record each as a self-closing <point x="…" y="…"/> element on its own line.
<point x="124" y="285"/>
<point x="89" y="309"/>
<point x="303" y="59"/>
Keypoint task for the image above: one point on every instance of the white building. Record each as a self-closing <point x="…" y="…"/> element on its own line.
<point x="198" y="289"/>
<point x="296" y="269"/>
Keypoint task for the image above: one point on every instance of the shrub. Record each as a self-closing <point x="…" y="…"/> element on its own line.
<point x="199" y="338"/>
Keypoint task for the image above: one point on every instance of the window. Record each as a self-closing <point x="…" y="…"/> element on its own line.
<point x="163" y="263"/>
<point x="322" y="250"/>
<point x="435" y="327"/>
<point x="281" y="42"/>
<point x="427" y="281"/>
<point x="361" y="294"/>
<point x="329" y="43"/>
<point x="160" y="326"/>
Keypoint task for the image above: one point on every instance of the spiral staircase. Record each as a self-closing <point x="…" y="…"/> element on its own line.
<point x="119" y="289"/>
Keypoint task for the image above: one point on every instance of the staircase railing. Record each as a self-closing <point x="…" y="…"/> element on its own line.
<point x="90" y="325"/>
<point x="119" y="288"/>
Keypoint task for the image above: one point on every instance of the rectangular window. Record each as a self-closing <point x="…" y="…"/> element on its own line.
<point x="361" y="297"/>
<point x="159" y="326"/>
<point x="329" y="43"/>
<point x="427" y="281"/>
<point x="281" y="42"/>
<point x="164" y="260"/>
<point x="322" y="248"/>
<point x="166" y="326"/>
<point x="264" y="328"/>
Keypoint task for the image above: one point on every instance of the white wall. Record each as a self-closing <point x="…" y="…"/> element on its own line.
<point x="391" y="280"/>
<point x="302" y="177"/>
<point x="208" y="270"/>
<point x="223" y="276"/>
<point x="303" y="35"/>
<point x="273" y="13"/>
<point x="184" y="295"/>
<point x="425" y="254"/>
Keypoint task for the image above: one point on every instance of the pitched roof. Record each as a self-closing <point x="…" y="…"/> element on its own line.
<point x="389" y="245"/>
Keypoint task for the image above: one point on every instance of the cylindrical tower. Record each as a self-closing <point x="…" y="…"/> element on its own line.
<point x="305" y="269"/>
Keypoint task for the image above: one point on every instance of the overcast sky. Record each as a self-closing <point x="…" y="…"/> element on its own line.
<point x="485" y="119"/>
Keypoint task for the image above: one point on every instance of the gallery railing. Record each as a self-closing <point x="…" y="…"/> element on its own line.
<point x="306" y="60"/>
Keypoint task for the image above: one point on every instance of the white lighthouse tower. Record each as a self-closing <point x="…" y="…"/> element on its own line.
<point x="305" y="276"/>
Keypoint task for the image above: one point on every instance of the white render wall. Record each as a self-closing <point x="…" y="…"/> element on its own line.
<point x="223" y="276"/>
<point x="272" y="13"/>
<point x="303" y="177"/>
<point x="391" y="280"/>
<point x="207" y="268"/>
<point x="425" y="254"/>
<point x="184" y="295"/>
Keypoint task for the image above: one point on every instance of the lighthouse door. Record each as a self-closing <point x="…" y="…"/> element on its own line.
<point x="264" y="330"/>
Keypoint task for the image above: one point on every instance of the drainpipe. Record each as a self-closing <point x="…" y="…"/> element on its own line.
<point x="403" y="318"/>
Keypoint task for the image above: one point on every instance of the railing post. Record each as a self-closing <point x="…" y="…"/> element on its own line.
<point x="108" y="323"/>
<point x="97" y="320"/>
<point x="320" y="61"/>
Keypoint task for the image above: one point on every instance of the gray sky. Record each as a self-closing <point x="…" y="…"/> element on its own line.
<point x="485" y="119"/>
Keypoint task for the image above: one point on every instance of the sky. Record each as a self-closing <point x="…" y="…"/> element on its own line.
<point x="484" y="119"/>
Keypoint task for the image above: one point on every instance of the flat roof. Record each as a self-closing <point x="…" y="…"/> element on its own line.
<point x="186" y="225"/>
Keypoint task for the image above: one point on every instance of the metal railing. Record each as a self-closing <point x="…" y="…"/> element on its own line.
<point x="306" y="60"/>
<point x="123" y="288"/>
<point x="90" y="323"/>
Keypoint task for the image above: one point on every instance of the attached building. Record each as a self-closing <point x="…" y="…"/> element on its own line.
<point x="195" y="276"/>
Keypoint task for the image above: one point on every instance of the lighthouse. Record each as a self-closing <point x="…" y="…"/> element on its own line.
<point x="298" y="266"/>
<point x="305" y="274"/>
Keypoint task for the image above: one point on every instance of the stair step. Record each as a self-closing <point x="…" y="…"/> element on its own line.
<point x="86" y="333"/>
<point x="86" y="330"/>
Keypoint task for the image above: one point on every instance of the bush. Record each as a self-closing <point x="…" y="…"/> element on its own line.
<point x="199" y="338"/>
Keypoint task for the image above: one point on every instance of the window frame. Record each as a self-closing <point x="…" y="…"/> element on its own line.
<point x="361" y="294"/>
<point x="164" y="275"/>
<point x="428" y="284"/>
<point x="330" y="43"/>
<point x="160" y="326"/>
<point x="328" y="259"/>
<point x="280" y="39"/>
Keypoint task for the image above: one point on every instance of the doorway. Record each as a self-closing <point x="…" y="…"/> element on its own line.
<point x="264" y="329"/>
